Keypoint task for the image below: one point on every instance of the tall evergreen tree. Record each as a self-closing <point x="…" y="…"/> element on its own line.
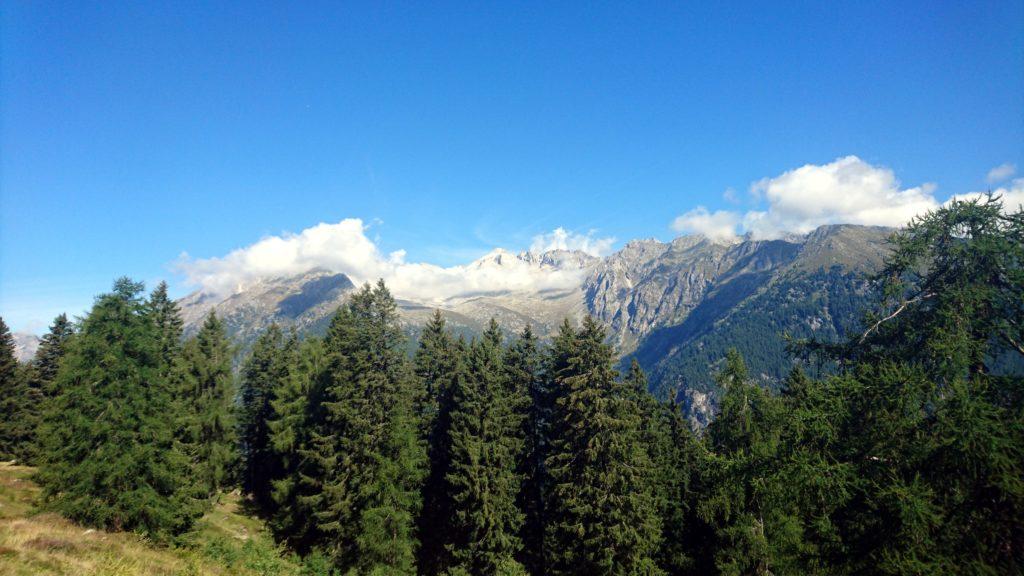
<point x="50" y="352"/>
<point x="208" y="393"/>
<point x="671" y="444"/>
<point x="523" y="368"/>
<point x="23" y="406"/>
<point x="368" y="445"/>
<point x="262" y="374"/>
<point x="19" y="402"/>
<point x="485" y="444"/>
<point x="165" y="315"/>
<point x="292" y="519"/>
<point x="771" y="483"/>
<point x="439" y="363"/>
<point x="604" y="517"/>
<point x="109" y="457"/>
<point x="934" y="384"/>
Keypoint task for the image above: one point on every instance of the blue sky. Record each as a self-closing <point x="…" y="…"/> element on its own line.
<point x="133" y="132"/>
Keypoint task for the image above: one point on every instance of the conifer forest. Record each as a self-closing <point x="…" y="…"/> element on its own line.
<point x="898" y="450"/>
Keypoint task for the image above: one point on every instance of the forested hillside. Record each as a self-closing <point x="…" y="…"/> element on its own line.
<point x="511" y="455"/>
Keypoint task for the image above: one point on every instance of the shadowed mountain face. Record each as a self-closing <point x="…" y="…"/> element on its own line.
<point x="677" y="306"/>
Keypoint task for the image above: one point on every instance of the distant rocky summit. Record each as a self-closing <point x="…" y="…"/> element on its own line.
<point x="25" y="346"/>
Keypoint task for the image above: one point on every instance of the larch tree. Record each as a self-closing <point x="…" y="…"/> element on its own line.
<point x="109" y="455"/>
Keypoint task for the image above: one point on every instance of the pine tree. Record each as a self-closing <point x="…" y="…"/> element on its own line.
<point x="604" y="514"/>
<point x="367" y="445"/>
<point x="262" y="374"/>
<point x="109" y="457"/>
<point x="208" y="391"/>
<point x="485" y="444"/>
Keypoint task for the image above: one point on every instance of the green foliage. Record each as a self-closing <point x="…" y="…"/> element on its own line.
<point x="110" y="458"/>
<point x="953" y="291"/>
<point x="439" y="364"/>
<point x="291" y="518"/>
<point x="603" y="515"/>
<point x="19" y="403"/>
<point x="824" y="304"/>
<point x="263" y="372"/>
<point x="207" y="393"/>
<point x="167" y="318"/>
<point x="485" y="444"/>
<point x="365" y="443"/>
<point x="905" y="456"/>
<point x="523" y="369"/>
<point x="51" y="350"/>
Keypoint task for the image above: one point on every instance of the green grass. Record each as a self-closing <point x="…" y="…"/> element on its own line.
<point x="225" y="541"/>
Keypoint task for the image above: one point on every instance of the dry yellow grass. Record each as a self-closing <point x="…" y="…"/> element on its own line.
<point x="224" y="542"/>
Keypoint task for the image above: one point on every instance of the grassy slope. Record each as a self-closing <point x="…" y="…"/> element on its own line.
<point x="223" y="542"/>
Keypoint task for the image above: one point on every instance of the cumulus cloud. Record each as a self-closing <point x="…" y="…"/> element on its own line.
<point x="847" y="190"/>
<point x="1001" y="173"/>
<point x="720" y="225"/>
<point x="561" y="239"/>
<point x="344" y="247"/>
<point x="1012" y="195"/>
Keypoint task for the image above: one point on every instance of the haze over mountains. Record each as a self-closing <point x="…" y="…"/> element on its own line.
<point x="677" y="306"/>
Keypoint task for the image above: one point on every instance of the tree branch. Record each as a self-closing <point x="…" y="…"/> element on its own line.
<point x="1016" y="345"/>
<point x="899" y="310"/>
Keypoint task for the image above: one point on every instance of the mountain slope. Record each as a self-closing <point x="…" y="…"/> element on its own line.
<point x="675" y="306"/>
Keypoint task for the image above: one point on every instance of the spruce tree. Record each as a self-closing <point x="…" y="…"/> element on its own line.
<point x="604" y="513"/>
<point x="290" y="426"/>
<point x="110" y="457"/>
<point x="23" y="406"/>
<point x="262" y="374"/>
<point x="208" y="393"/>
<point x="367" y="446"/>
<point x="165" y="315"/>
<point x="485" y="444"/>
<point x="522" y="363"/>
<point x="671" y="444"/>
<point x="50" y="352"/>
<point x="19" y="402"/>
<point x="543" y="429"/>
<point x="439" y="363"/>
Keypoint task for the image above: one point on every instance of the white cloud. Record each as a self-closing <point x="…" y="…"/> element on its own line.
<point x="561" y="239"/>
<point x="344" y="247"/>
<point x="1011" y="195"/>
<point x="720" y="225"/>
<point x="1001" y="173"/>
<point x="845" y="191"/>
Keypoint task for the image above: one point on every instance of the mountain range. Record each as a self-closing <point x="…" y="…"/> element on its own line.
<point x="674" y="306"/>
